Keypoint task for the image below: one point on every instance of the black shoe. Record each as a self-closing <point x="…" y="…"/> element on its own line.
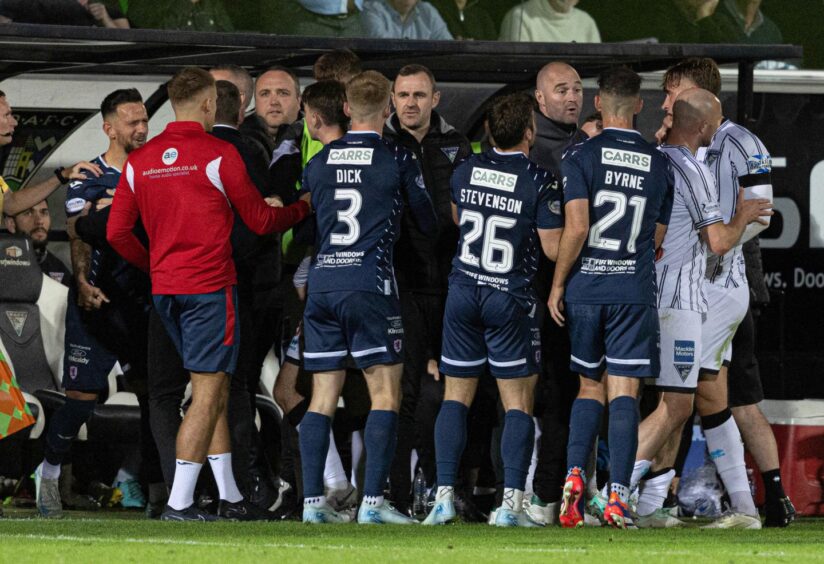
<point x="191" y="513"/>
<point x="291" y="508"/>
<point x="780" y="512"/>
<point x="262" y="492"/>
<point x="154" y="510"/>
<point x="467" y="511"/>
<point x="243" y="510"/>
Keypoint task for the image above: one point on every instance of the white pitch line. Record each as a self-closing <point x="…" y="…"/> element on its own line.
<point x="234" y="545"/>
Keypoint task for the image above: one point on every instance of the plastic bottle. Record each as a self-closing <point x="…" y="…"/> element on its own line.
<point x="419" y="493"/>
<point x="750" y="479"/>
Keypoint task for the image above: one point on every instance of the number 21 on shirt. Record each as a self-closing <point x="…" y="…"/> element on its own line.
<point x="619" y="202"/>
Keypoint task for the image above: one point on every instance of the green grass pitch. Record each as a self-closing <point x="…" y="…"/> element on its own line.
<point x="111" y="538"/>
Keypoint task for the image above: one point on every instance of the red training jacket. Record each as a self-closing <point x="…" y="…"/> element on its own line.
<point x="182" y="184"/>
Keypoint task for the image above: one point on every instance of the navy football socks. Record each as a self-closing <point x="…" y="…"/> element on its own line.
<point x="314" y="443"/>
<point x="584" y="424"/>
<point x="65" y="425"/>
<point x="450" y="440"/>
<point x="623" y="438"/>
<point x="380" y="439"/>
<point x="516" y="448"/>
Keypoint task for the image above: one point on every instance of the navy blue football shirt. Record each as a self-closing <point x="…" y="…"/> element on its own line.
<point x="628" y="184"/>
<point x="359" y="185"/>
<point x="90" y="190"/>
<point x="502" y="199"/>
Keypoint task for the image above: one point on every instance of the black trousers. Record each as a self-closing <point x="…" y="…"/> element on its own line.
<point x="422" y="316"/>
<point x="122" y="327"/>
<point x="556" y="391"/>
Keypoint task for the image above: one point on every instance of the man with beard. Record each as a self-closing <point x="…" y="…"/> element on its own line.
<point x="35" y="223"/>
<point x="112" y="297"/>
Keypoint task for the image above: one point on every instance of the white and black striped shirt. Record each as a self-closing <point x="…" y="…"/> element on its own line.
<point x="736" y="158"/>
<point x="680" y="270"/>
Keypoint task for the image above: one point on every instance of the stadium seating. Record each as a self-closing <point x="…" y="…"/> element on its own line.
<point x="32" y="328"/>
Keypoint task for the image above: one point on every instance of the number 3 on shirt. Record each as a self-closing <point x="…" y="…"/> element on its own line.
<point x="348" y="216"/>
<point x="490" y="242"/>
<point x="619" y="201"/>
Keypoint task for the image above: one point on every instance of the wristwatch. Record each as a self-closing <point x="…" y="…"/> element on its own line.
<point x="58" y="172"/>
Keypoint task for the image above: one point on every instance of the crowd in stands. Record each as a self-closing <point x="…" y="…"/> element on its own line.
<point x="671" y="21"/>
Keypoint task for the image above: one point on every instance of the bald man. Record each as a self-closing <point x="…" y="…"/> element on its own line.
<point x="696" y="225"/>
<point x="560" y="97"/>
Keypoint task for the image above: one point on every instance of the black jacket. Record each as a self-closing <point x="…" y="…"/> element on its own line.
<point x="473" y="22"/>
<point x="256" y="135"/>
<point x="422" y="264"/>
<point x="256" y="257"/>
<point x="54" y="268"/>
<point x="551" y="141"/>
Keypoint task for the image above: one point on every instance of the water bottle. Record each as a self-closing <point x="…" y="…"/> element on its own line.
<point x="419" y="493"/>
<point x="750" y="479"/>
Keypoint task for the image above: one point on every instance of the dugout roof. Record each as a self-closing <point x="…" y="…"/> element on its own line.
<point x="81" y="50"/>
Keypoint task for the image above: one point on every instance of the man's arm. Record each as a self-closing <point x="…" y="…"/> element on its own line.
<point x="420" y="204"/>
<point x="576" y="228"/>
<point x="721" y="237"/>
<point x="88" y="297"/>
<point x="548" y="217"/>
<point x="91" y="228"/>
<point x="258" y="216"/>
<point x="550" y="242"/>
<point x="22" y="200"/>
<point x="660" y="233"/>
<point x="122" y="218"/>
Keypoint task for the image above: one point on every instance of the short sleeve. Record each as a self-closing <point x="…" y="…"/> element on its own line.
<point x="75" y="197"/>
<point x="702" y="201"/>
<point x="574" y="179"/>
<point x="550" y="205"/>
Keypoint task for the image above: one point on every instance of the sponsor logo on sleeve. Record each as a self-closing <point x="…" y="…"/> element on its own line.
<point x="169" y="156"/>
<point x="627" y="159"/>
<point x="759" y="164"/>
<point x="493" y="179"/>
<point x="555" y="207"/>
<point x="75" y="205"/>
<point x="710" y="208"/>
<point x="350" y="157"/>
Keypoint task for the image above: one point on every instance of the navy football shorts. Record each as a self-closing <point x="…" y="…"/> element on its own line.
<point x="621" y="338"/>
<point x="86" y="363"/>
<point x="483" y="326"/>
<point x="364" y="325"/>
<point x="203" y="327"/>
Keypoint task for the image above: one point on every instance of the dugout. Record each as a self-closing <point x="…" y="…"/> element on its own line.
<point x="55" y="77"/>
